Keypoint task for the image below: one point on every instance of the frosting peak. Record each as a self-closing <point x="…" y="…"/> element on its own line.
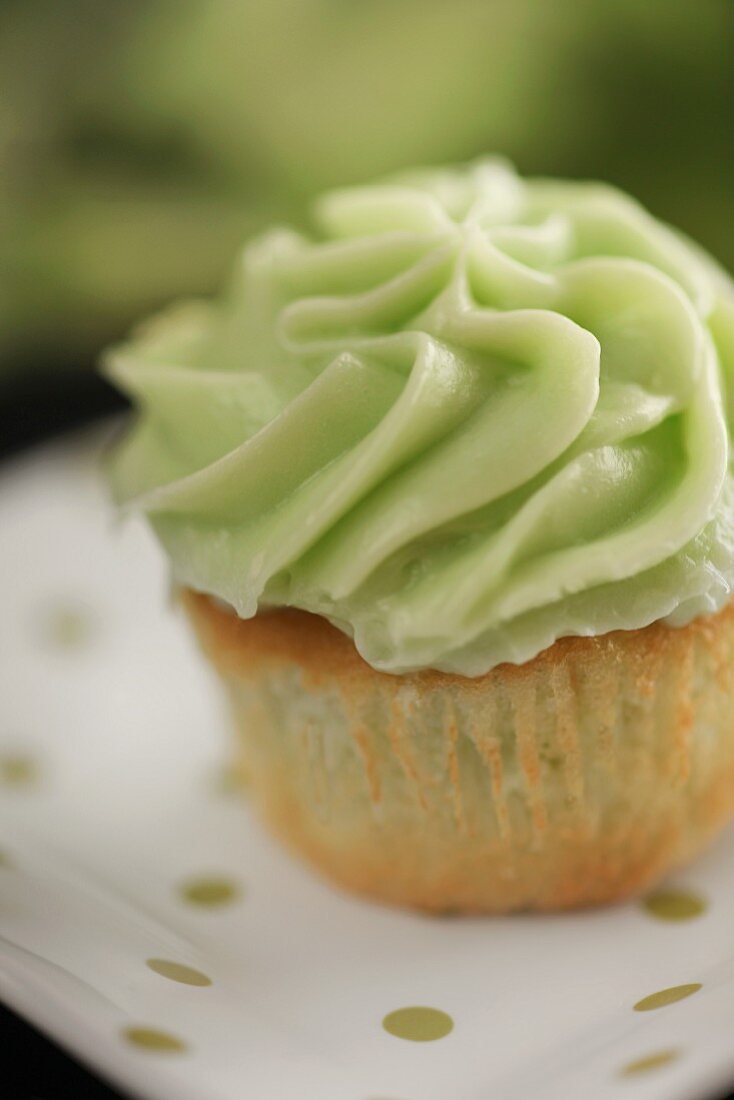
<point x="474" y="415"/>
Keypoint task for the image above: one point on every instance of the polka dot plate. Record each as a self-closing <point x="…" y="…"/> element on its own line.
<point x="149" y="926"/>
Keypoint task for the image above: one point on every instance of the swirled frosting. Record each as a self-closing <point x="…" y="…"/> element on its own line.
<point x="471" y="415"/>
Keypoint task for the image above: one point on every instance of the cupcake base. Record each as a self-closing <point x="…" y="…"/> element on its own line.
<point x="578" y="778"/>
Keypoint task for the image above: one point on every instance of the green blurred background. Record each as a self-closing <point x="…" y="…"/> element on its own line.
<point x="142" y="141"/>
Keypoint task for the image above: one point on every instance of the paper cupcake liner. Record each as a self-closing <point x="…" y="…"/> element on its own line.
<point x="578" y="778"/>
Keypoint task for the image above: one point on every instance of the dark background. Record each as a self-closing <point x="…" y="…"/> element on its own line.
<point x="141" y="142"/>
<point x="39" y="1070"/>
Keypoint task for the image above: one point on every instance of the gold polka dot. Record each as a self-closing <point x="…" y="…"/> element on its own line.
<point x="656" y="1060"/>
<point x="210" y="891"/>
<point x="667" y="997"/>
<point x="67" y="625"/>
<point x="18" y="770"/>
<point x="419" y="1024"/>
<point x="149" y="1038"/>
<point x="178" y="972"/>
<point x="675" y="905"/>
<point x="6" y="862"/>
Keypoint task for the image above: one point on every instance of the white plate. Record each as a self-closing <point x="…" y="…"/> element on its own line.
<point x="112" y="744"/>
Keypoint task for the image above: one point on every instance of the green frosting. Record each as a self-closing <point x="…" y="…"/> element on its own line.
<point x="473" y="415"/>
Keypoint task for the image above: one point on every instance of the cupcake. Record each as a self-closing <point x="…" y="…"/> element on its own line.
<point x="445" y="491"/>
